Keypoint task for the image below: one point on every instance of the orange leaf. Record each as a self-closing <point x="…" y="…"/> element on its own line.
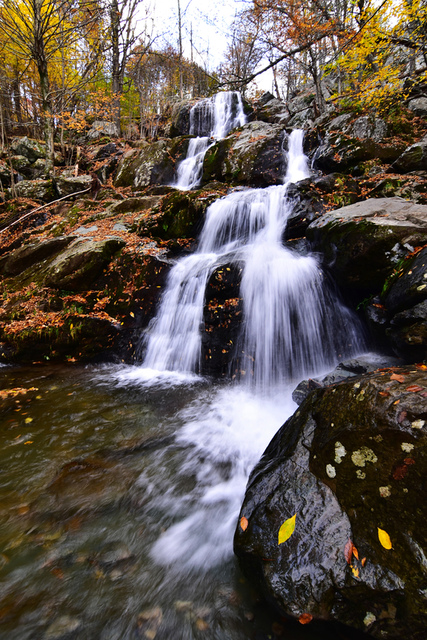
<point x="305" y="618"/>
<point x="243" y="523"/>
<point x="384" y="393"/>
<point x="363" y="562"/>
<point x="355" y="553"/>
<point x="414" y="388"/>
<point x="348" y="550"/>
<point x="397" y="377"/>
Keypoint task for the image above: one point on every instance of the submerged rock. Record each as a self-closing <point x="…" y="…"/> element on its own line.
<point x="350" y="464"/>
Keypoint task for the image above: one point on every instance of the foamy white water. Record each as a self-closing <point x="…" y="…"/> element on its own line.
<point x="225" y="438"/>
<point x="293" y="326"/>
<point x="211" y="119"/>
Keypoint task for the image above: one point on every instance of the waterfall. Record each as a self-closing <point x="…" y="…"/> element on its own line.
<point x="210" y="119"/>
<point x="293" y="324"/>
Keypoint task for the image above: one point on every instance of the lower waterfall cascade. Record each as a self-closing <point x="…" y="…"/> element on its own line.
<point x="293" y="325"/>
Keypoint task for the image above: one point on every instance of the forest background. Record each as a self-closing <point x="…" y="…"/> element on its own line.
<point x="65" y="63"/>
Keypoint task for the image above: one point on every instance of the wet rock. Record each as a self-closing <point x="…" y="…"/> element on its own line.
<point x="343" y="371"/>
<point x="251" y="156"/>
<point x="29" y="148"/>
<point x="180" y="118"/>
<point x="149" y="622"/>
<point x="63" y="627"/>
<point x="177" y="215"/>
<point x="81" y="263"/>
<point x="102" y="128"/>
<point x="19" y="162"/>
<point x="363" y="242"/>
<point x="348" y="463"/>
<point x="222" y="318"/>
<point x="31" y="254"/>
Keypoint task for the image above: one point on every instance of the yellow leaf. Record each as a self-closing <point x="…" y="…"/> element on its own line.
<point x="28" y="420"/>
<point x="132" y="314"/>
<point x="384" y="538"/>
<point x="29" y="442"/>
<point x="287" y="529"/>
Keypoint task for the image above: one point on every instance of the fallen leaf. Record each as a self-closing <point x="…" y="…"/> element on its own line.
<point x="384" y="539"/>
<point x="402" y="417"/>
<point x="355" y="553"/>
<point x="132" y="314"/>
<point x="287" y="529"/>
<point x="400" y="472"/>
<point x="409" y="461"/>
<point x="28" y="420"/>
<point x="397" y="377"/>
<point x="305" y="618"/>
<point x="384" y="393"/>
<point x="355" y="571"/>
<point x="414" y="388"/>
<point x="243" y="523"/>
<point x="29" y="442"/>
<point x="363" y="562"/>
<point x="348" y="551"/>
<point x="423" y="367"/>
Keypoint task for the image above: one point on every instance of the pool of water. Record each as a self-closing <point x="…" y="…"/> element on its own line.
<point x="119" y="495"/>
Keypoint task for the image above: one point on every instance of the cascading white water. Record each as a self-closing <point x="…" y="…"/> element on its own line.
<point x="210" y="120"/>
<point x="293" y="324"/>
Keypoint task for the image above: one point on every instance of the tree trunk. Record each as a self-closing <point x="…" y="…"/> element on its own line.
<point x="117" y="82"/>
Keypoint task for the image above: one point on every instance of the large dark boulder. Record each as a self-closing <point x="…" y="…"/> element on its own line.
<point x="253" y="156"/>
<point x="31" y="149"/>
<point x="350" y="464"/>
<point x="32" y="254"/>
<point x="400" y="315"/>
<point x="362" y="243"/>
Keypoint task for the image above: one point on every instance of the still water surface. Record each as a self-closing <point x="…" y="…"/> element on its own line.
<point x="120" y="492"/>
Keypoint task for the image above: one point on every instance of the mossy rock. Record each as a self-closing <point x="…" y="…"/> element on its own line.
<point x="362" y="243"/>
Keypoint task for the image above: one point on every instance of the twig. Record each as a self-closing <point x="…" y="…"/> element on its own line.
<point x="76" y="193"/>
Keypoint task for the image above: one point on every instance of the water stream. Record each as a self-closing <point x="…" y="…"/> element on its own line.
<point x="121" y="486"/>
<point x="210" y="120"/>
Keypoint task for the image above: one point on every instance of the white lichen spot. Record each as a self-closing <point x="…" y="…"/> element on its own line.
<point x="425" y="275"/>
<point x="421" y="287"/>
<point x="360" y="474"/>
<point x="362" y="456"/>
<point x="385" y="492"/>
<point x="369" y="619"/>
<point x="340" y="452"/>
<point x="418" y="424"/>
<point x="357" y="385"/>
<point x="405" y="490"/>
<point x="331" y="471"/>
<point x="407" y="447"/>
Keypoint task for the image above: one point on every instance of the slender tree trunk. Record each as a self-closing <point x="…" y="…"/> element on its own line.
<point x="117" y="83"/>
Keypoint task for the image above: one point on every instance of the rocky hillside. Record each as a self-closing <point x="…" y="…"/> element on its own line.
<point x="85" y="254"/>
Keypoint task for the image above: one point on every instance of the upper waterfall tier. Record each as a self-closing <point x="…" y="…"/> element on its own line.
<point x="210" y="119"/>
